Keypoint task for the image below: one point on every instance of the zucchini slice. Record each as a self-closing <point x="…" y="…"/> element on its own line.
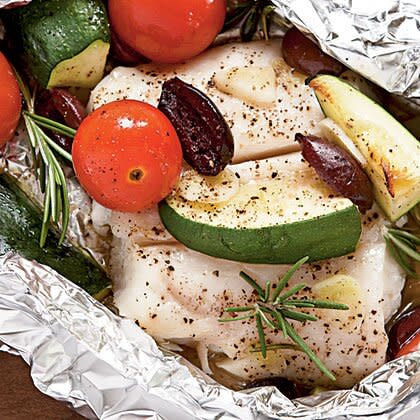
<point x="20" y="228"/>
<point x="391" y="152"/>
<point x="271" y="220"/>
<point x="64" y="42"/>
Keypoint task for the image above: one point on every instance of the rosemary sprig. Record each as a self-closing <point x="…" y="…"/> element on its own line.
<point x="250" y="14"/>
<point x="275" y="307"/>
<point x="48" y="169"/>
<point x="404" y="246"/>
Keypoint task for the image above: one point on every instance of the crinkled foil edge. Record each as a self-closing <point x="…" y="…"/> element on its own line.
<point x="105" y="366"/>
<point x="378" y="39"/>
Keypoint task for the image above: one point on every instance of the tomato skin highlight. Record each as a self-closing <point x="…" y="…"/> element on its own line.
<point x="10" y="101"/>
<point x="410" y="346"/>
<point x="167" y="31"/>
<point x="127" y="155"/>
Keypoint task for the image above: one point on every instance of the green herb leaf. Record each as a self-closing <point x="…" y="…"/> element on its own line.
<point x="403" y="245"/>
<point x="253" y="284"/>
<point x="291" y="292"/>
<point x="272" y="309"/>
<point x="261" y="335"/>
<point x="238" y="318"/>
<point x="301" y="343"/>
<point x="285" y="279"/>
<point x="298" y="316"/>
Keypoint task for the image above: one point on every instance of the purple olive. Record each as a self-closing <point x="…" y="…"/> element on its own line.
<point x="205" y="136"/>
<point x="306" y="57"/>
<point x="59" y="105"/>
<point x="337" y="168"/>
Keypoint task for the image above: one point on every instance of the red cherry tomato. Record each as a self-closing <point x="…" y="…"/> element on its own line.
<point x="167" y="31"/>
<point x="412" y="345"/>
<point x="10" y="101"/>
<point x="404" y="334"/>
<point x="127" y="155"/>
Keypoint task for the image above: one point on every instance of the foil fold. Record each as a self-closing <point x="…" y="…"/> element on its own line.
<point x="16" y="158"/>
<point x="378" y="39"/>
<point x="106" y="367"/>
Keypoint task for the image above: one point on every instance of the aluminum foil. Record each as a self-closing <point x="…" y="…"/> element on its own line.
<point x="107" y="367"/>
<point x="16" y="158"/>
<point x="380" y="39"/>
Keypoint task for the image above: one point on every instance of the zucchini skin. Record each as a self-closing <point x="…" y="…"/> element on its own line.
<point x="320" y="238"/>
<point x="20" y="229"/>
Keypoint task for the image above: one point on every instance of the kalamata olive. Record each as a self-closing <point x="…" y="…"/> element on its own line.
<point x="288" y="388"/>
<point x="68" y="106"/>
<point x="306" y="57"/>
<point x="59" y="105"/>
<point x="336" y="167"/>
<point x="403" y="331"/>
<point x="206" y="140"/>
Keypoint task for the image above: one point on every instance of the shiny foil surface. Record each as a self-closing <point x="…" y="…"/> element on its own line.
<point x="16" y="159"/>
<point x="105" y="366"/>
<point x="380" y="39"/>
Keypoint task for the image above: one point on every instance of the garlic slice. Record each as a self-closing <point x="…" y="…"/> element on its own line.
<point x="340" y="288"/>
<point x="257" y="85"/>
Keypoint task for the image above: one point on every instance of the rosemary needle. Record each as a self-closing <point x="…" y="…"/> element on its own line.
<point x="273" y="310"/>
<point x="251" y="16"/>
<point x="48" y="169"/>
<point x="403" y="245"/>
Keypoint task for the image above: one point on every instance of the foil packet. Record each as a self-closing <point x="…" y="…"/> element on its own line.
<point x="105" y="366"/>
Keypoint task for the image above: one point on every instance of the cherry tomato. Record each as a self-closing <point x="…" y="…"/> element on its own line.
<point x="306" y="57"/>
<point x="412" y="345"/>
<point x="10" y="101"/>
<point x="405" y="334"/>
<point x="127" y="155"/>
<point x="167" y="31"/>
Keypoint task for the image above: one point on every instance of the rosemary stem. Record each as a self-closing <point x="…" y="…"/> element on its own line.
<point x="405" y="248"/>
<point x="312" y="356"/>
<point x="52" y="125"/>
<point x="261" y="335"/>
<point x="283" y="282"/>
<point x="253" y="284"/>
<point x="273" y="310"/>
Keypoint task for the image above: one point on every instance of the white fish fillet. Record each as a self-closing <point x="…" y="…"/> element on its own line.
<point x="259" y="130"/>
<point x="178" y="294"/>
